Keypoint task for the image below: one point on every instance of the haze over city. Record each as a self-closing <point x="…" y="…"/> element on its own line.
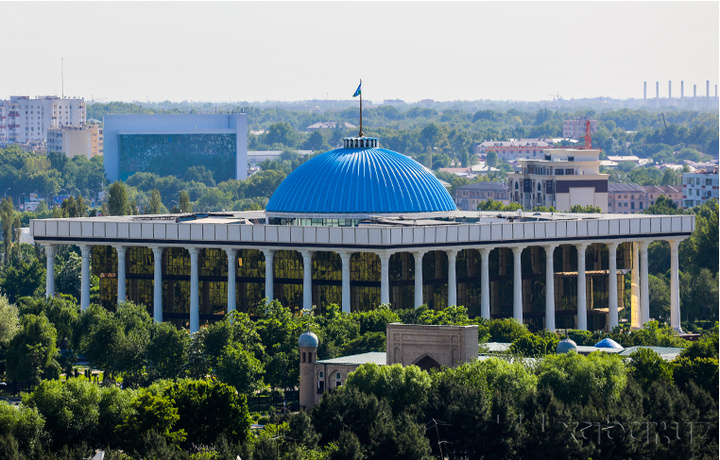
<point x="251" y="51"/>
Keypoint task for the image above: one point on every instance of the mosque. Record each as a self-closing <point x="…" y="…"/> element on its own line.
<point x="360" y="226"/>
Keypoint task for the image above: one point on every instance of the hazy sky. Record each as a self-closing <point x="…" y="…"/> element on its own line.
<point x="248" y="51"/>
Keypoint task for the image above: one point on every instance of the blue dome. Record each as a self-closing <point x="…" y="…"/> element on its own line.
<point x="564" y="346"/>
<point x="308" y="340"/>
<point x="608" y="343"/>
<point x="360" y="182"/>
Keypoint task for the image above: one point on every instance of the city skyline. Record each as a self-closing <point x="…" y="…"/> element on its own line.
<point x="250" y="51"/>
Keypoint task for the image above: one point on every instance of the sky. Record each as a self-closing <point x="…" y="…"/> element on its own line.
<point x="289" y="51"/>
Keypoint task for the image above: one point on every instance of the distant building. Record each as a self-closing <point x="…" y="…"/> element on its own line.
<point x="565" y="178"/>
<point x="698" y="187"/>
<point x="633" y="198"/>
<point x="24" y="120"/>
<point x="513" y="149"/>
<point x="256" y="157"/>
<point x="83" y="140"/>
<point x="575" y="128"/>
<point x="168" y="145"/>
<point x="467" y="197"/>
<point x="330" y="125"/>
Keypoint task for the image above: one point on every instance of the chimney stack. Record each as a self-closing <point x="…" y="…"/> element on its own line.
<point x="669" y="89"/>
<point x="645" y="91"/>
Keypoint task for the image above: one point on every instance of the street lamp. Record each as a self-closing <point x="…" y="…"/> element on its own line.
<point x="23" y="193"/>
<point x="7" y="191"/>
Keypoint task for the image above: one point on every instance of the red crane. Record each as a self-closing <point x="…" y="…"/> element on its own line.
<point x="588" y="138"/>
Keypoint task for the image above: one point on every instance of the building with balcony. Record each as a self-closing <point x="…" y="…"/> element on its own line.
<point x="577" y="127"/>
<point x="24" y="120"/>
<point x="698" y="187"/>
<point x="563" y="179"/>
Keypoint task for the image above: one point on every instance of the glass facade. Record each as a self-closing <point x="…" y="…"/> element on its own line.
<point x="173" y="154"/>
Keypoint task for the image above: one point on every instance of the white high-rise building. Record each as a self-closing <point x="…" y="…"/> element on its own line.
<point x="24" y="120"/>
<point x="699" y="187"/>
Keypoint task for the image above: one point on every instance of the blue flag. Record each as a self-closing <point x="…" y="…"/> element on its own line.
<point x="357" y="91"/>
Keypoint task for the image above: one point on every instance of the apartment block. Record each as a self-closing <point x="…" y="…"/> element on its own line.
<point x="698" y="187"/>
<point x="24" y="120"/>
<point x="83" y="140"/>
<point x="576" y="128"/>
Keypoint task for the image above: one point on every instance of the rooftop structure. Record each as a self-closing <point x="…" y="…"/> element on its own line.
<point x="563" y="179"/>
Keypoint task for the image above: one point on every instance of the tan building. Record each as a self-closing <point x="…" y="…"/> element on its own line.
<point x="565" y="178"/>
<point x="467" y="197"/>
<point x="83" y="140"/>
<point x="426" y="346"/>
<point x="633" y="198"/>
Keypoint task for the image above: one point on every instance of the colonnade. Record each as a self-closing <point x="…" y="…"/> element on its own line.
<point x="639" y="280"/>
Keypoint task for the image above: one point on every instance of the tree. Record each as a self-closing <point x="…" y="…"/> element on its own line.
<point x="32" y="350"/>
<point x="402" y="387"/>
<point x="118" y="204"/>
<point x="184" y="202"/>
<point x="167" y="350"/>
<point x="589" y="209"/>
<point x="491" y="159"/>
<point x="7" y="215"/>
<point x="23" y="425"/>
<point x="663" y="206"/>
<point x="647" y="367"/>
<point x="67" y="279"/>
<point x="239" y="368"/>
<point x="156" y="205"/>
<point x="151" y="412"/>
<point x="9" y="323"/>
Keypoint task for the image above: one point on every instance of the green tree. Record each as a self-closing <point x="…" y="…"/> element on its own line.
<point x="32" y="350"/>
<point x="239" y="368"/>
<point x="118" y="204"/>
<point x="402" y="387"/>
<point x="184" y="202"/>
<point x="9" y="323"/>
<point x="647" y="367"/>
<point x="167" y="350"/>
<point x="491" y="159"/>
<point x="7" y="216"/>
<point x="589" y="209"/>
<point x="156" y="205"/>
<point x="151" y="412"/>
<point x="67" y="279"/>
<point x="26" y="427"/>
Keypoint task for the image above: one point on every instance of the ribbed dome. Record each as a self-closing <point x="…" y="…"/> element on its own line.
<point x="608" y="343"/>
<point x="360" y="182"/>
<point x="564" y="346"/>
<point x="308" y="340"/>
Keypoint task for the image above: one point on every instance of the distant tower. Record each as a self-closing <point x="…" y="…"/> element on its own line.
<point x="657" y="93"/>
<point x="682" y="90"/>
<point x="644" y="92"/>
<point x="707" y="88"/>
<point x="669" y="89"/>
<point x="308" y="344"/>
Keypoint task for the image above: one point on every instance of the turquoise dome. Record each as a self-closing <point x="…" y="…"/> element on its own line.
<point x="360" y="179"/>
<point x="608" y="343"/>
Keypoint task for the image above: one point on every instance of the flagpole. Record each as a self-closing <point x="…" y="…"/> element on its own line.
<point x="361" y="130"/>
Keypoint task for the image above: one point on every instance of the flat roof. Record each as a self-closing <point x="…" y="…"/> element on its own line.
<point x="376" y="357"/>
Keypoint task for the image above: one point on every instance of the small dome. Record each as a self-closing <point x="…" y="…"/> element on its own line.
<point x="357" y="181"/>
<point x="308" y="340"/>
<point x="608" y="343"/>
<point x="566" y="345"/>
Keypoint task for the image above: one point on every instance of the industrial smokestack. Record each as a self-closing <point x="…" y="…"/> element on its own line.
<point x="682" y="89"/>
<point x="716" y="91"/>
<point x="645" y="91"/>
<point x="657" y="90"/>
<point x="669" y="89"/>
<point x="694" y="91"/>
<point x="707" y="88"/>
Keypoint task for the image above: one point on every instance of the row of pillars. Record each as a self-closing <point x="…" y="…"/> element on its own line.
<point x="638" y="280"/>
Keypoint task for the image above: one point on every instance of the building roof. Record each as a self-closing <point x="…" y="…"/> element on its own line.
<point x="308" y="339"/>
<point x="485" y="185"/>
<point x="360" y="182"/>
<point x="666" y="353"/>
<point x="616" y="188"/>
<point x="375" y="357"/>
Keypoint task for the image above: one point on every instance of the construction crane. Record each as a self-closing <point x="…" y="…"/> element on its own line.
<point x="588" y="137"/>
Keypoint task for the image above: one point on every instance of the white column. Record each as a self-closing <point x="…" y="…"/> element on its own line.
<point x="194" y="290"/>
<point x="345" y="258"/>
<point x="644" y="293"/>
<point x="85" y="278"/>
<point x="549" y="288"/>
<point x="232" y="279"/>
<point x="517" y="284"/>
<point x="307" y="279"/>
<point x="635" y="317"/>
<point x="384" y="277"/>
<point x="674" y="286"/>
<point x="50" y="271"/>
<point x="121" y="251"/>
<point x="612" y="286"/>
<point x="485" y="283"/>
<point x="157" y="285"/>
<point x="452" y="277"/>
<point x="269" y="273"/>
<point x="418" y="278"/>
<point x="581" y="288"/>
